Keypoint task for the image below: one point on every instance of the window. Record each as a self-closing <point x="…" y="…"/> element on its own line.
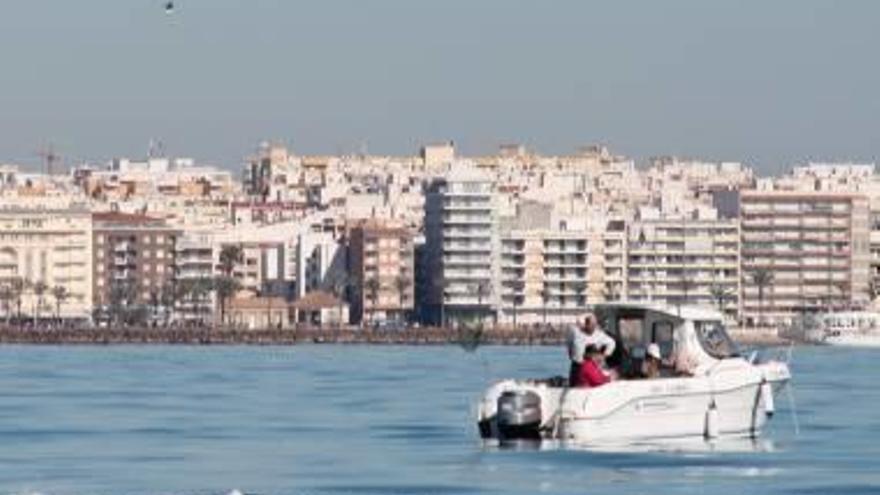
<point x="662" y="335"/>
<point x="714" y="339"/>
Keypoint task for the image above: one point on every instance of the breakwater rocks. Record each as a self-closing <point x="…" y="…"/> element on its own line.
<point x="469" y="339"/>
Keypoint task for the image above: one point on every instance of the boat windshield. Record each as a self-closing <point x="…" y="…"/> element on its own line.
<point x="714" y="339"/>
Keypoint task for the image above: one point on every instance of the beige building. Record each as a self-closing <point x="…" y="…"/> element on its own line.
<point x="812" y="249"/>
<point x="692" y="259"/>
<point x="49" y="247"/>
<point x="544" y="275"/>
<point x="438" y="155"/>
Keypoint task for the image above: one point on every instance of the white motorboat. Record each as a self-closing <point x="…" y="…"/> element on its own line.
<point x="723" y="394"/>
<point x="850" y="328"/>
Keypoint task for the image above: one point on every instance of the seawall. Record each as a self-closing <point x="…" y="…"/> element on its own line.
<point x="207" y="336"/>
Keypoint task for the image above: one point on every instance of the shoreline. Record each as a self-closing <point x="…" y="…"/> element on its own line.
<point x="207" y="336"/>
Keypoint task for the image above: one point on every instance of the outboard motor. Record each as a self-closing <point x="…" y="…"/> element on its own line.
<point x="519" y="415"/>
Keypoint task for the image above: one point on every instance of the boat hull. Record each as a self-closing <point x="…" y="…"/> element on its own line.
<point x="648" y="410"/>
<point x="853" y="340"/>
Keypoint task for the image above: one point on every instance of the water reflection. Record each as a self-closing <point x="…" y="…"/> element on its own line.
<point x="684" y="446"/>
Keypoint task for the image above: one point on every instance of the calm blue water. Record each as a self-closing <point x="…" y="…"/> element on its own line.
<point x="378" y="420"/>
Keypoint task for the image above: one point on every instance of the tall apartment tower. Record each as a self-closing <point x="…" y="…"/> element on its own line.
<point x="462" y="242"/>
<point x="802" y="251"/>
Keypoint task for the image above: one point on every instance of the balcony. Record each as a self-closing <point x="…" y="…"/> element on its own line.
<point x="454" y="233"/>
<point x="467" y="220"/>
<point x="451" y="273"/>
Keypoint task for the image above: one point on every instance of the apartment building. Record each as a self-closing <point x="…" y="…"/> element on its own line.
<point x="382" y="268"/>
<point x="687" y="257"/>
<point x="47" y="247"/>
<point x="802" y="251"/>
<point x="438" y="155"/>
<point x="194" y="255"/>
<point x="544" y="276"/>
<point x="321" y="265"/>
<point x="133" y="261"/>
<point x="462" y="239"/>
<point x="612" y="257"/>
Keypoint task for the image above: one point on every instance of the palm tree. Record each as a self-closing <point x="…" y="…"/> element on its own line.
<point x="720" y="295"/>
<point x="168" y="297"/>
<point x="483" y="291"/>
<point x="196" y="291"/>
<point x="341" y="286"/>
<point x="154" y="301"/>
<point x="579" y="289"/>
<point x="18" y="286"/>
<point x="761" y="277"/>
<point x="39" y="289"/>
<point x="121" y="299"/>
<point x="268" y="295"/>
<point x="545" y="298"/>
<point x="59" y="292"/>
<point x="230" y="255"/>
<point x="225" y="287"/>
<point x="687" y="285"/>
<point x="402" y="284"/>
<point x="517" y="286"/>
<point x="372" y="287"/>
<point x="183" y="294"/>
<point x="442" y="285"/>
<point x="6" y="296"/>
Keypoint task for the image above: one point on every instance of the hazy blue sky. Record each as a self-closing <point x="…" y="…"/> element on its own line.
<point x="767" y="82"/>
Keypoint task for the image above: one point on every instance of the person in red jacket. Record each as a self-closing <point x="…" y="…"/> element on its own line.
<point x="591" y="374"/>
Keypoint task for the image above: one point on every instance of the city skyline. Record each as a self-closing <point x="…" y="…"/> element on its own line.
<point x="717" y="82"/>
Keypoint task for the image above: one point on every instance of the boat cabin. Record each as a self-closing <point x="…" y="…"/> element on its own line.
<point x="689" y="337"/>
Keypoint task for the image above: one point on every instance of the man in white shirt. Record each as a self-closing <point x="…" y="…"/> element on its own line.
<point x="579" y="338"/>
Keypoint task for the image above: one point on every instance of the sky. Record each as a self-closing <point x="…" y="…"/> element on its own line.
<point x="769" y="83"/>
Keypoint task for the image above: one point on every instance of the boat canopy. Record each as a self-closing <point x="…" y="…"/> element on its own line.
<point x="685" y="333"/>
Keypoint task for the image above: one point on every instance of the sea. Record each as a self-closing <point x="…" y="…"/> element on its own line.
<point x="357" y="419"/>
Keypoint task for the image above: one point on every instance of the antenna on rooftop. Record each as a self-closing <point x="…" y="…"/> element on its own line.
<point x="50" y="157"/>
<point x="156" y="149"/>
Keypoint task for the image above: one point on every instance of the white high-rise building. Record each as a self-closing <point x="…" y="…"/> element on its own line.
<point x="462" y="239"/>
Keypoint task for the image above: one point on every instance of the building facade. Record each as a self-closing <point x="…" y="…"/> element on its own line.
<point x="685" y="260"/>
<point x="802" y="251"/>
<point x="382" y="269"/>
<point x="47" y="251"/>
<point x="133" y="264"/>
<point x="462" y="239"/>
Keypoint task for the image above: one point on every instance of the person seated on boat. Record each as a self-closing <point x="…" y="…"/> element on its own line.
<point x="684" y="363"/>
<point x="653" y="362"/>
<point x="591" y="372"/>
<point x="579" y="337"/>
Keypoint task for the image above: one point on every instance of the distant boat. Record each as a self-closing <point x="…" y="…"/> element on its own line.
<point x="850" y="328"/>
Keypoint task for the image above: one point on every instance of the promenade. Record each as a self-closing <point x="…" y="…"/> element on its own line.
<point x="236" y="336"/>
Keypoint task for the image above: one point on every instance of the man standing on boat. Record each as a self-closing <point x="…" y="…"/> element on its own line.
<point x="579" y="337"/>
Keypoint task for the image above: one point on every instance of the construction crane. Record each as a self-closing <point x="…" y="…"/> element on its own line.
<point x="50" y="158"/>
